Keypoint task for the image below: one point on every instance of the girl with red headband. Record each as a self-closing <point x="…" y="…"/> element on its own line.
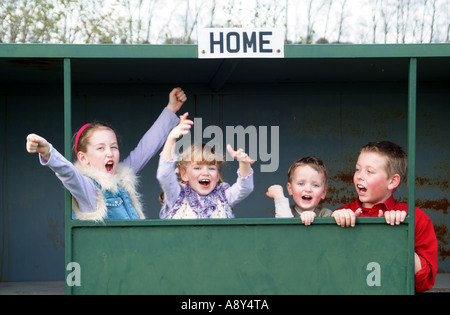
<point x="101" y="187"/>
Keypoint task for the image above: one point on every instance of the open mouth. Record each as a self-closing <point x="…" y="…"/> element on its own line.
<point x="361" y="188"/>
<point x="307" y="198"/>
<point x="204" y="183"/>
<point x="109" y="166"/>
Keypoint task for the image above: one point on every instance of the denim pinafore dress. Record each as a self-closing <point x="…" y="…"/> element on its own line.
<point x="120" y="206"/>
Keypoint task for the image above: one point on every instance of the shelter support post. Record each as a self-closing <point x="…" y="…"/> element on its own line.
<point x="67" y="154"/>
<point x="412" y="81"/>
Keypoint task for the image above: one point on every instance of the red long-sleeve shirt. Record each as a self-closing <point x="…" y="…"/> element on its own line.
<point x="425" y="244"/>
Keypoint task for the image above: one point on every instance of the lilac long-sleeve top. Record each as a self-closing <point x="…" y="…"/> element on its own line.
<point x="172" y="188"/>
<point x="82" y="187"/>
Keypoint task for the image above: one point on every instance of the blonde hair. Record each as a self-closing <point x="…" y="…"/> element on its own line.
<point x="201" y="154"/>
<point x="396" y="157"/>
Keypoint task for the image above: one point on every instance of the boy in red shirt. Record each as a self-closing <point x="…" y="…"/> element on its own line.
<point x="380" y="168"/>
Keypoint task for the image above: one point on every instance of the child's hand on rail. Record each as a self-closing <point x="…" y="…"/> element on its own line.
<point x="393" y="216"/>
<point x="346" y="217"/>
<point x="307" y="217"/>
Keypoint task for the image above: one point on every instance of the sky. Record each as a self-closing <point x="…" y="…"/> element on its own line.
<point x="169" y="18"/>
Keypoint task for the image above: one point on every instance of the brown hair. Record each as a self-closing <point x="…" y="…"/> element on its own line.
<point x="396" y="157"/>
<point x="83" y="139"/>
<point x="313" y="162"/>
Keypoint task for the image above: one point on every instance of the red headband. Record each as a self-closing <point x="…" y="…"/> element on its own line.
<point x="78" y="136"/>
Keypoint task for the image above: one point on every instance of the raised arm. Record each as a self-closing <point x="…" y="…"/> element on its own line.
<point x="38" y="144"/>
<point x="81" y="187"/>
<point x="166" y="169"/>
<point x="282" y="209"/>
<point x="180" y="130"/>
<point x="244" y="183"/>
<point x="154" y="138"/>
<point x="245" y="161"/>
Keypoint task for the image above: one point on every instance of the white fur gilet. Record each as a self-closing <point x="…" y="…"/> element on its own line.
<point x="123" y="176"/>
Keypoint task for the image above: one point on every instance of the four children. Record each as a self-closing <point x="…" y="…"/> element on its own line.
<point x="104" y="189"/>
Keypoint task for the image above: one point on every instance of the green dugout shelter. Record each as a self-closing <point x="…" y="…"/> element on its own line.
<point x="323" y="100"/>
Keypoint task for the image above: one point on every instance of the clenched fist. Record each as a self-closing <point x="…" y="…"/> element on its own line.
<point x="37" y="144"/>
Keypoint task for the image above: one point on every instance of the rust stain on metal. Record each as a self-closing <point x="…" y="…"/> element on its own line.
<point x="437" y="205"/>
<point x="442" y="236"/>
<point x="440" y="183"/>
<point x="340" y="196"/>
<point x="345" y="177"/>
<point x="340" y="189"/>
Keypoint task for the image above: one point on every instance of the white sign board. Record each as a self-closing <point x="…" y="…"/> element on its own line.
<point x="241" y="43"/>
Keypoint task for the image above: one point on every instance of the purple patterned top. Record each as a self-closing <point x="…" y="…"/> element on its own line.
<point x="190" y="204"/>
<point x="182" y="202"/>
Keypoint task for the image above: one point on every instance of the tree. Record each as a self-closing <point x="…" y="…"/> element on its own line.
<point x="374" y="10"/>
<point x="433" y="16"/>
<point x="191" y="18"/>
<point x="27" y="21"/>
<point x="341" y="21"/>
<point x="177" y="21"/>
<point x="312" y="13"/>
